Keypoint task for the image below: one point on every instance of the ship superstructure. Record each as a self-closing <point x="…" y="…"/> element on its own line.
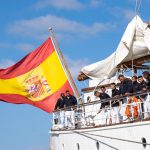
<point x="92" y="131"/>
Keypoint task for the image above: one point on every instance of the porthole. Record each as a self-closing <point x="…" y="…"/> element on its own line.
<point x="144" y="142"/>
<point x="78" y="146"/>
<point x="97" y="145"/>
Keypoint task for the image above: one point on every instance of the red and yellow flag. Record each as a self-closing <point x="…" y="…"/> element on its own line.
<point x="38" y="79"/>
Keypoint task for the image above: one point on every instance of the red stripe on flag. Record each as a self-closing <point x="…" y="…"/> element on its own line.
<point x="29" y="62"/>
<point x="47" y="104"/>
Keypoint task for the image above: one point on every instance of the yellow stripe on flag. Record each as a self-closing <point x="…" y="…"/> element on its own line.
<point x="38" y="83"/>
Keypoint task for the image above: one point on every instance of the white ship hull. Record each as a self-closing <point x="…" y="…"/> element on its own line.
<point x="118" y="137"/>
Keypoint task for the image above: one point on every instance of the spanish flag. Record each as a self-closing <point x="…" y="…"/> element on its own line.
<point x="37" y="79"/>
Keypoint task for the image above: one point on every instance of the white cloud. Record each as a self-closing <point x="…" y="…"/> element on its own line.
<point x="22" y="46"/>
<point x="96" y="3"/>
<point x="4" y="63"/>
<point x="66" y="4"/>
<point x="63" y="4"/>
<point x="128" y="14"/>
<point x="38" y="27"/>
<point x="25" y="47"/>
<point x="75" y="65"/>
<point x="123" y="13"/>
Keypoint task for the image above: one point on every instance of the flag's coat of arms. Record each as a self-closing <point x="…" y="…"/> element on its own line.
<point x="37" y="87"/>
<point x="38" y="79"/>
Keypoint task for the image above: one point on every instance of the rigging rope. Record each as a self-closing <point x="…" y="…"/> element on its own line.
<point x="135" y="9"/>
<point x="138" y="4"/>
<point x="114" y="138"/>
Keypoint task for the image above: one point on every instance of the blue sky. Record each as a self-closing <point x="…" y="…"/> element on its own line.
<point x="86" y="30"/>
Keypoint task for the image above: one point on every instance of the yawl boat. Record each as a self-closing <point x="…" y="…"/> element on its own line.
<point x="133" y="52"/>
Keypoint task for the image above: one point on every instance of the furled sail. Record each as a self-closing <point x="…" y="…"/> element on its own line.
<point x="135" y="43"/>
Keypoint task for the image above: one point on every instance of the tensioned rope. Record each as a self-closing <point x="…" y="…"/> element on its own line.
<point x="138" y="4"/>
<point x="112" y="147"/>
<point x="114" y="138"/>
<point x="137" y="9"/>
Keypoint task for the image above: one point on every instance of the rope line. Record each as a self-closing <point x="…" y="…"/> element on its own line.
<point x="138" y="4"/>
<point x="135" y="9"/>
<point x="112" y="147"/>
<point x="114" y="138"/>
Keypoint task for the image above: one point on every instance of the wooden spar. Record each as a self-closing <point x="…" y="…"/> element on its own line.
<point x="137" y="62"/>
<point x="65" y="65"/>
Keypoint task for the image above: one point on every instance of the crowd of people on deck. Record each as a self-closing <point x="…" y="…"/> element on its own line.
<point x="127" y="87"/>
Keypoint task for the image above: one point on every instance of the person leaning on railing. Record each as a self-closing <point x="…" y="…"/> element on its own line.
<point x="133" y="107"/>
<point x="143" y="84"/>
<point x="69" y="102"/>
<point x="60" y="102"/>
<point x="125" y="87"/>
<point x="136" y="87"/>
<point x="59" y="113"/>
<point x="105" y="106"/>
<point x="115" y="112"/>
<point x="102" y="96"/>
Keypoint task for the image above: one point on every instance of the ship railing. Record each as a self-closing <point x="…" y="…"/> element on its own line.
<point x="134" y="107"/>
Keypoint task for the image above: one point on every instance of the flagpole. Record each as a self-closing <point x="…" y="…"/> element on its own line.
<point x="65" y="65"/>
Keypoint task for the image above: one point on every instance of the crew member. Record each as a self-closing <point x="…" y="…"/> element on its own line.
<point x="115" y="112"/>
<point x="136" y="87"/>
<point x="60" y="102"/>
<point x="70" y="102"/>
<point x="105" y="106"/>
<point x="125" y="85"/>
<point x="125" y="89"/>
<point x="59" y="115"/>
<point x="142" y="83"/>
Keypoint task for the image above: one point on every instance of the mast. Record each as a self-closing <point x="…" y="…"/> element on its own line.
<point x="65" y="65"/>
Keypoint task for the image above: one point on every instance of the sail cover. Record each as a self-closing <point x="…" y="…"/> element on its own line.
<point x="135" y="43"/>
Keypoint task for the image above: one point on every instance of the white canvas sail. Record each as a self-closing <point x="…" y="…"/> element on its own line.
<point x="135" y="43"/>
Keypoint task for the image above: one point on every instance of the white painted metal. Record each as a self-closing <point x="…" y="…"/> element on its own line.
<point x="87" y="139"/>
<point x="131" y="131"/>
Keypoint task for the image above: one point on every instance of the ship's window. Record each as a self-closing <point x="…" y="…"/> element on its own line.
<point x="97" y="145"/>
<point x="63" y="147"/>
<point x="78" y="146"/>
<point x="144" y="142"/>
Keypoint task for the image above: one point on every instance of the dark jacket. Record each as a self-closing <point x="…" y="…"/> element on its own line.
<point x="104" y="96"/>
<point x="70" y="101"/>
<point x="143" y="85"/>
<point x="136" y="87"/>
<point x="148" y="83"/>
<point x="125" y="87"/>
<point x="59" y="104"/>
<point x="115" y="92"/>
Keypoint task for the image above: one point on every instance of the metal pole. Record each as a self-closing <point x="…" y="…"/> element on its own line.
<point x="65" y="64"/>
